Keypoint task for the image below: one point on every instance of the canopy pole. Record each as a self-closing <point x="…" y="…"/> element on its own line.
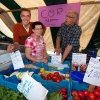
<point x="4" y="11"/>
<point x="82" y="3"/>
<point x="90" y="2"/>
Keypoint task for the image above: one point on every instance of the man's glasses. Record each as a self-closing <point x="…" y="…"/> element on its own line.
<point x="38" y="29"/>
<point x="70" y="16"/>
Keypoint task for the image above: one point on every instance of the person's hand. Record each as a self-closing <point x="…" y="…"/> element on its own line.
<point x="62" y="60"/>
<point x="10" y="48"/>
<point x="57" y="50"/>
<point x="45" y="61"/>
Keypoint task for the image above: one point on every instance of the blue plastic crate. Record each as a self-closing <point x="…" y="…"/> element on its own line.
<point x="40" y="64"/>
<point x="46" y="67"/>
<point x="65" y="62"/>
<point x="36" y="71"/>
<point x="8" y="71"/>
<point x="77" y="76"/>
<point x="52" y="86"/>
<point x="92" y="53"/>
<point x="75" y="85"/>
<point x="11" y="85"/>
<point x="67" y="69"/>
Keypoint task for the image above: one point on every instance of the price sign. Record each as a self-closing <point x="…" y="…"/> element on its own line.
<point x="17" y="59"/>
<point x="56" y="59"/>
<point x="92" y="75"/>
<point x="79" y="58"/>
<point x="32" y="89"/>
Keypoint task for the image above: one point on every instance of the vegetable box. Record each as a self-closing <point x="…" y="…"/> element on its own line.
<point x="51" y="66"/>
<point x="75" y="85"/>
<point x="9" y="84"/>
<point x="52" y="86"/>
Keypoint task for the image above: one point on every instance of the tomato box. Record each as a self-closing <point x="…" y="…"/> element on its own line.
<point x="52" y="86"/>
<point x="75" y="85"/>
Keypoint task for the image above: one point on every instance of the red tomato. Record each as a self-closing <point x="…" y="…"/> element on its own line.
<point x="64" y="97"/>
<point x="74" y="93"/>
<point x="48" y="77"/>
<point x="62" y="77"/>
<point x="58" y="91"/>
<point x="43" y="77"/>
<point x="96" y="93"/>
<point x="86" y="93"/>
<point x="64" y="90"/>
<point x="97" y="99"/>
<point x="91" y="96"/>
<point x="56" y="73"/>
<point x="50" y="74"/>
<point x="98" y="88"/>
<point x="54" y="78"/>
<point x="81" y="94"/>
<point x="76" y="98"/>
<point x="58" y="80"/>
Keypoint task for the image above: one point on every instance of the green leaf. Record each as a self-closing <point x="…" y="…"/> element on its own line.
<point x="55" y="96"/>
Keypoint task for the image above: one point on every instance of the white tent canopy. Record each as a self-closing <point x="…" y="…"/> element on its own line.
<point x="89" y="15"/>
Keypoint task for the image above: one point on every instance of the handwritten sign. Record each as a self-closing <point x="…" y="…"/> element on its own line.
<point x="54" y="16"/>
<point x="56" y="59"/>
<point x="92" y="75"/>
<point x="17" y="59"/>
<point x="79" y="58"/>
<point x="32" y="89"/>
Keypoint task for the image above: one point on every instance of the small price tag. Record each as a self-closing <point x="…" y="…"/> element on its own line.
<point x="17" y="59"/>
<point x="79" y="58"/>
<point x="30" y="88"/>
<point x="56" y="59"/>
<point x="92" y="75"/>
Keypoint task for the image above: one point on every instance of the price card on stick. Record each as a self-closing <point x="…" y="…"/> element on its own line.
<point x="17" y="59"/>
<point x="32" y="89"/>
<point x="56" y="59"/>
<point x="79" y="58"/>
<point x="92" y="75"/>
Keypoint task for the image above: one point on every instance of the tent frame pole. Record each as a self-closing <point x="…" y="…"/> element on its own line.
<point x="82" y="3"/>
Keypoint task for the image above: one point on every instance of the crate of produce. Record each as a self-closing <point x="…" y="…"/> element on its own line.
<point x="13" y="79"/>
<point x="84" y="91"/>
<point x="78" y="89"/>
<point x="52" y="80"/>
<point x="59" y="67"/>
<point x="77" y="76"/>
<point x="75" y="85"/>
<point x="51" y="66"/>
<point x="66" y="64"/>
<point x="52" y="86"/>
<point x="10" y="82"/>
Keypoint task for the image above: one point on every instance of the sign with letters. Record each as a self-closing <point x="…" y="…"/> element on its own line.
<point x="17" y="60"/>
<point x="56" y="59"/>
<point x="32" y="89"/>
<point x="55" y="15"/>
<point x="79" y="61"/>
<point x="79" y="58"/>
<point x="92" y="75"/>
